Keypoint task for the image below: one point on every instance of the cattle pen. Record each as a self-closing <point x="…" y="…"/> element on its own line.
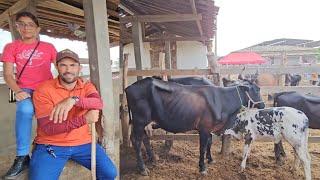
<point x="216" y="72"/>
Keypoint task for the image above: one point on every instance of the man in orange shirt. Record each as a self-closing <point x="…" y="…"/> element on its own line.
<point x="64" y="107"/>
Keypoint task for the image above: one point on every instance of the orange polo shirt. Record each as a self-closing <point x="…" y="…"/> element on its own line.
<point x="50" y="93"/>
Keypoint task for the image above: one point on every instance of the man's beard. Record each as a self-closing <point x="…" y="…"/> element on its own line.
<point x="68" y="80"/>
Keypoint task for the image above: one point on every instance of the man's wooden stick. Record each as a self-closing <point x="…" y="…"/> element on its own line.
<point x="93" y="151"/>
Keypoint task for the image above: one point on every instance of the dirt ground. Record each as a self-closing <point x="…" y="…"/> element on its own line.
<point x="182" y="162"/>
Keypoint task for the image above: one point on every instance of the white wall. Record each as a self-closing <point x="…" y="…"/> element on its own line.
<point x="191" y="54"/>
<point x="145" y="56"/>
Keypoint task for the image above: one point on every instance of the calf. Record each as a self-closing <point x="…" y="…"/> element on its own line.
<point x="275" y="123"/>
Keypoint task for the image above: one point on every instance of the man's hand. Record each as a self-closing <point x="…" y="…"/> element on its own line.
<point x="92" y="116"/>
<point x="21" y="95"/>
<point x="61" y="110"/>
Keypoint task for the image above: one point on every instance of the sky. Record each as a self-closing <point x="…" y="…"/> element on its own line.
<point x="241" y="23"/>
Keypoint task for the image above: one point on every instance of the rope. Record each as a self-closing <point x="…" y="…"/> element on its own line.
<point x="251" y="100"/>
<point x="242" y="108"/>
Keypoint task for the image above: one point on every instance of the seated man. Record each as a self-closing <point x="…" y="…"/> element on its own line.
<point x="64" y="107"/>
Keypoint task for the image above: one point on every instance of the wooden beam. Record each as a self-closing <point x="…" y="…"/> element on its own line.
<point x="100" y="71"/>
<point x="161" y="18"/>
<point x="31" y="6"/>
<point x="170" y="72"/>
<point x="315" y="90"/>
<point x="276" y="69"/>
<point x="194" y="11"/>
<point x="18" y="6"/>
<point x="137" y="44"/>
<point x="195" y="137"/>
<point x="61" y="6"/>
<point x="175" y="39"/>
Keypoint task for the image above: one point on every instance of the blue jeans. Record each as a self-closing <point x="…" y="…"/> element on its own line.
<point x="45" y="166"/>
<point x="23" y="125"/>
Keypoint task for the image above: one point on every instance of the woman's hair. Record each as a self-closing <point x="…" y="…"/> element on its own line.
<point x="27" y="14"/>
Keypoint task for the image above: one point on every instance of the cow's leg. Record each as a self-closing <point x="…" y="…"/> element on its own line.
<point x="225" y="147"/>
<point x="304" y="156"/>
<point x="136" y="139"/>
<point x="279" y="152"/>
<point x="208" y="153"/>
<point x="246" y="150"/>
<point x="150" y="153"/>
<point x="204" y="136"/>
<point x="296" y="160"/>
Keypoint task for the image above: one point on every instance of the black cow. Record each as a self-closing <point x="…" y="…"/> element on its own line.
<point x="292" y="79"/>
<point x="178" y="108"/>
<point x="188" y="80"/>
<point x="308" y="104"/>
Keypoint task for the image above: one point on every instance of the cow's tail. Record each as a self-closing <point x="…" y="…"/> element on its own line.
<point x="130" y="114"/>
<point x="129" y="109"/>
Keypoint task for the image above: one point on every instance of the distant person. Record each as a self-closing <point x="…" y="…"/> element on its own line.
<point x="33" y="59"/>
<point x="65" y="106"/>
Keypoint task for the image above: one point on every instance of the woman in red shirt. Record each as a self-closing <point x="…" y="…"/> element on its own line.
<point x="37" y="57"/>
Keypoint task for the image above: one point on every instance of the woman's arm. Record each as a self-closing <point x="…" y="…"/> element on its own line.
<point x="8" y="74"/>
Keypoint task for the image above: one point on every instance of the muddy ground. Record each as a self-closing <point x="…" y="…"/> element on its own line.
<point x="182" y="162"/>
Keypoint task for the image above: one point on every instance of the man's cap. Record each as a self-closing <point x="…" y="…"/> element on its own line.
<point x="67" y="53"/>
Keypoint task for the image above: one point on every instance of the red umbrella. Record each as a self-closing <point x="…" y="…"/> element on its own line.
<point x="242" y="58"/>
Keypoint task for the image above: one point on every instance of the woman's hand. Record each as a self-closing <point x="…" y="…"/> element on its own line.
<point x="21" y="95"/>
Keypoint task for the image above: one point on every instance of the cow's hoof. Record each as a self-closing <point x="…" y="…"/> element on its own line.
<point x="145" y="172"/>
<point x="152" y="162"/>
<point x="279" y="161"/>
<point x="204" y="172"/>
<point x="211" y="161"/>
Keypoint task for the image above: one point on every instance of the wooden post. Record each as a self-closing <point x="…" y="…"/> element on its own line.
<point x="162" y="59"/>
<point x="213" y="63"/>
<point x="282" y="65"/>
<point x="13" y="30"/>
<point x="138" y="45"/>
<point x="100" y="70"/>
<point x="167" y="48"/>
<point x="126" y="129"/>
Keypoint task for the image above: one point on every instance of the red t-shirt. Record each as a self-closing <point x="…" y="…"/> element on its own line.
<point x="38" y="68"/>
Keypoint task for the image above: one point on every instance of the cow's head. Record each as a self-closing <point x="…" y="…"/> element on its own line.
<point x="250" y="95"/>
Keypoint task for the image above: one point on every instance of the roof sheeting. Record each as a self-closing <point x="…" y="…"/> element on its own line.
<point x="237" y="58"/>
<point x="206" y="8"/>
<point x="65" y="18"/>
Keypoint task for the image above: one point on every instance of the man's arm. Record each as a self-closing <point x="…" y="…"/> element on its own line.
<point x="43" y="107"/>
<point x="51" y="128"/>
<point x="92" y="101"/>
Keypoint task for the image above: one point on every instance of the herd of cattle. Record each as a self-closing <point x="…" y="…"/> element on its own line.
<point x="193" y="103"/>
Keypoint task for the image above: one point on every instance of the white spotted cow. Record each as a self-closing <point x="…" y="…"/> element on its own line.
<point x="274" y="123"/>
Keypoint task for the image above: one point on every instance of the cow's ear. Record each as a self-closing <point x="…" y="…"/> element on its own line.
<point x="225" y="81"/>
<point x="240" y="77"/>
